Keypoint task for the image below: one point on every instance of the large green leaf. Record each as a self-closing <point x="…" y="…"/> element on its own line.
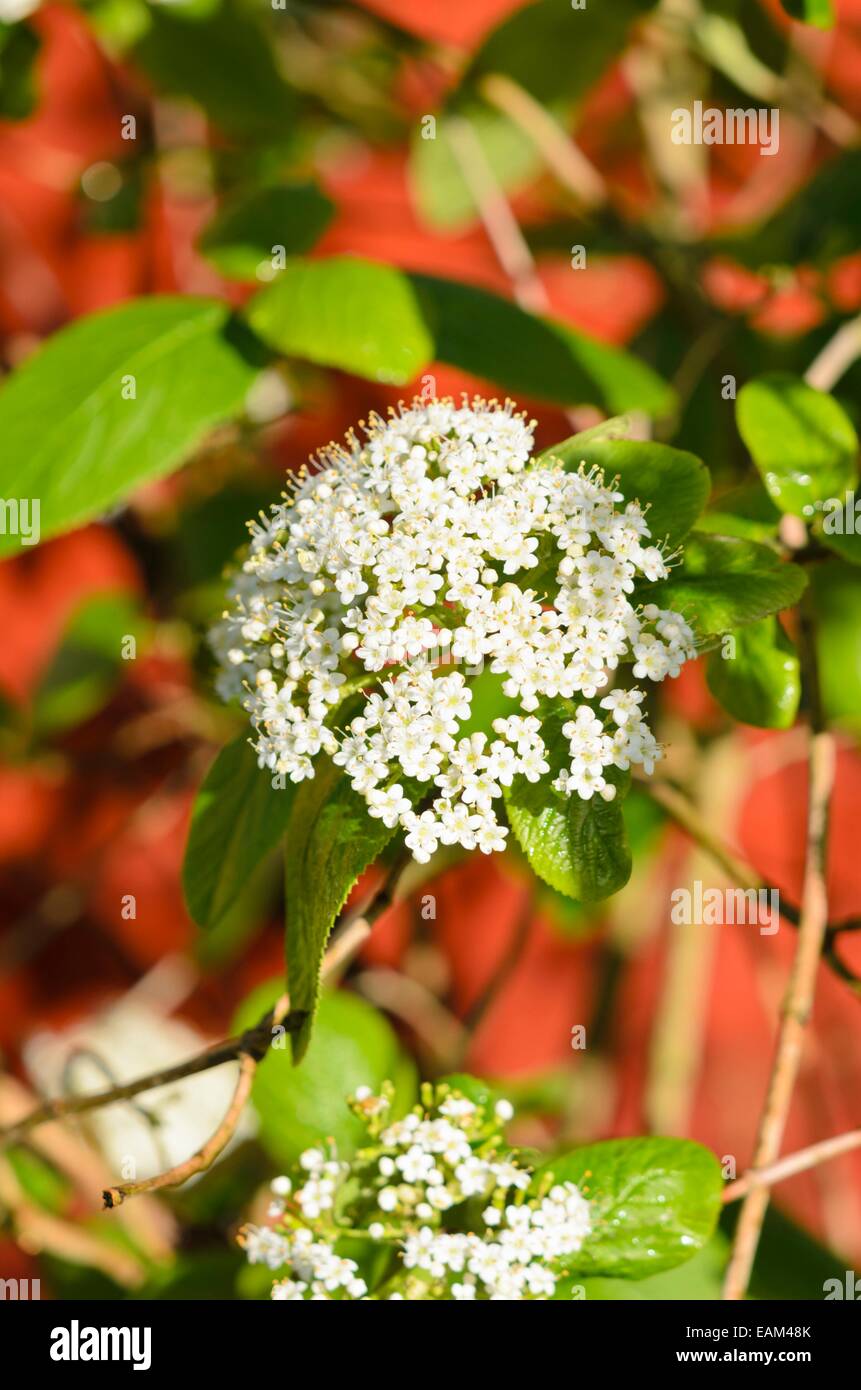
<point x="836" y="601"/>
<point x="746" y="511"/>
<point x="699" y="1279"/>
<point x="578" y="847"/>
<point x="352" y="1046"/>
<point x="72" y="439"/>
<point x="244" y="232"/>
<point x="838" y="525"/>
<point x="819" y="13"/>
<point x="348" y="313"/>
<point x="442" y="195"/>
<point x="383" y="324"/>
<point x="556" y="50"/>
<point x="800" y="439"/>
<point x="655" y="1203"/>
<point x="19" y="49"/>
<point x="331" y="840"/>
<point x="672" y="483"/>
<point x="238" y="819"/>
<point x="724" y="582"/>
<point x="222" y="59"/>
<point x="760" y="681"/>
<point x="494" y="339"/>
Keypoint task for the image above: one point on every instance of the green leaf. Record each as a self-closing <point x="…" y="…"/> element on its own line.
<point x="800" y="439"/>
<point x="555" y="50"/>
<point x="596" y="1290"/>
<point x="385" y="325"/>
<point x="724" y="583"/>
<point x="245" y="231"/>
<point x="672" y="483"/>
<point x="331" y="840"/>
<point x="819" y="13"/>
<point x="746" y="511"/>
<point x="839" y="526"/>
<point x="494" y="339"/>
<point x="222" y="59"/>
<point x="238" y="819"/>
<point x="40" y="1180"/>
<point x="442" y="195"/>
<point x="836" y="601"/>
<point x="19" y="48"/>
<point x="700" y="1279"/>
<point x="578" y="847"/>
<point x="348" y="313"/>
<point x="761" y="683"/>
<point x="846" y="544"/>
<point x="655" y="1203"/>
<point x="352" y="1046"/>
<point x="70" y="438"/>
<point x="87" y="665"/>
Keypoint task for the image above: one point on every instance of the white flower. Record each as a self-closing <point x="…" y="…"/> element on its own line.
<point x="438" y="1154"/>
<point x="421" y="540"/>
<point x="457" y="1107"/>
<point x="263" y="1246"/>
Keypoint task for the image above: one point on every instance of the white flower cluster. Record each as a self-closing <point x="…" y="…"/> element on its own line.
<point x="399" y="1192"/>
<point x="421" y="539"/>
<point x="318" y="1272"/>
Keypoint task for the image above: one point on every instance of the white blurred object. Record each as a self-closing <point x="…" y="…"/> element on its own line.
<point x="159" y="1128"/>
<point x="13" y="10"/>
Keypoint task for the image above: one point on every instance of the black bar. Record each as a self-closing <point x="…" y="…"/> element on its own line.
<point x="256" y="1338"/>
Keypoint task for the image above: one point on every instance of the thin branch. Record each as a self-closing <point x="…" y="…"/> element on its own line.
<point x="685" y="814"/>
<point x="347" y="943"/>
<point x="833" y="960"/>
<point x="798" y="1000"/>
<point x="680" y="809"/>
<point x="562" y="156"/>
<point x="836" y="357"/>
<point x="254" y="1043"/>
<point x="254" y="1039"/>
<point x="502" y="227"/>
<point x="438" y="1033"/>
<point x="794" y="1163"/>
<point x="205" y="1156"/>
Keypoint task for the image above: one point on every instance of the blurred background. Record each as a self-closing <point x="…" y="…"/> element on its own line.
<point x="557" y="186"/>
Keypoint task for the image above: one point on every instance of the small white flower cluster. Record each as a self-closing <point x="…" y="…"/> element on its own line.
<point x="417" y="1175"/>
<point x="514" y="1260"/>
<point x="317" y="1271"/>
<point x="419" y="539"/>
